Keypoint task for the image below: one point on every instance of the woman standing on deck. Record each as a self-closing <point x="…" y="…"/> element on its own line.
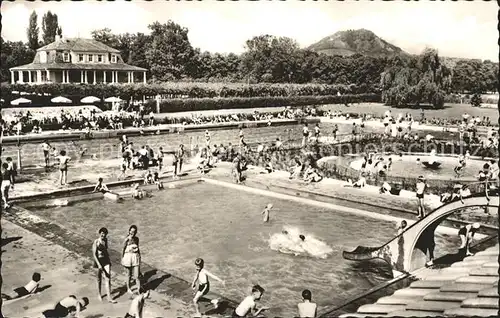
<point x="102" y="262"/>
<point x="131" y="257"/>
<point x="63" y="167"/>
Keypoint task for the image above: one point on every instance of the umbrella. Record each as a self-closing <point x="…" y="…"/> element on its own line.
<point x="21" y="100"/>
<point x="61" y="100"/>
<point x="112" y="100"/>
<point x="90" y="99"/>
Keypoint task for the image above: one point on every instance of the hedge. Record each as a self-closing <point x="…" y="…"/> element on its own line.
<point x="197" y="104"/>
<point x="183" y="90"/>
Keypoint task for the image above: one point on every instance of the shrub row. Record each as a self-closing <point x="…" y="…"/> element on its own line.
<point x="197" y="104"/>
<point x="185" y="90"/>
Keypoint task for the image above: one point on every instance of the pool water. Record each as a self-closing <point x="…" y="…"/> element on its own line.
<point x="407" y="166"/>
<point x="224" y="226"/>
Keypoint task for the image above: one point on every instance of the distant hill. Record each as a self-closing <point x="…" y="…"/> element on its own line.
<point x="351" y="42"/>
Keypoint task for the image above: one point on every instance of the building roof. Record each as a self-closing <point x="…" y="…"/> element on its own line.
<point x="78" y="44"/>
<point x="78" y="66"/>
<point x="467" y="288"/>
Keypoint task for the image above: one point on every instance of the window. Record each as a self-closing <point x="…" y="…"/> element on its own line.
<point x="99" y="58"/>
<point x="113" y="58"/>
<point x="43" y="57"/>
<point x="91" y="58"/>
<point x="66" y="57"/>
<point x="80" y="57"/>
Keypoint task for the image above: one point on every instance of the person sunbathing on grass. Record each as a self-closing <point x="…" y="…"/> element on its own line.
<point x="28" y="289"/>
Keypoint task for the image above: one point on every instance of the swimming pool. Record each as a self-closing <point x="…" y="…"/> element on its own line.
<point x="408" y="166"/>
<point x="224" y="226"/>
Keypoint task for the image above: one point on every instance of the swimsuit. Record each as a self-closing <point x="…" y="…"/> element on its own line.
<point x="131" y="255"/>
<point x="102" y="254"/>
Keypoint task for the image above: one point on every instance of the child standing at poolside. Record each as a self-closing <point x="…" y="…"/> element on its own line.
<point x="201" y="279"/>
<point x="266" y="211"/>
<point x="160" y="158"/>
<point x="123" y="168"/>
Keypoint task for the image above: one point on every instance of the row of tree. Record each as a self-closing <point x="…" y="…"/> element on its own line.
<point x="50" y="28"/>
<point x="169" y="56"/>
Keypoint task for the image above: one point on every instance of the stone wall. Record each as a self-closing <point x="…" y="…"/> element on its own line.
<point x="106" y="145"/>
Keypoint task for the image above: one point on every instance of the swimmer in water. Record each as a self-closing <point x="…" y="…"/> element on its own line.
<point x="266" y="211"/>
<point x="201" y="278"/>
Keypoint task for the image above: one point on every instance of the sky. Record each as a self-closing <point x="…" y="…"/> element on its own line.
<point x="455" y="29"/>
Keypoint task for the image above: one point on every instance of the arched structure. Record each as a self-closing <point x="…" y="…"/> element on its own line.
<point x="399" y="251"/>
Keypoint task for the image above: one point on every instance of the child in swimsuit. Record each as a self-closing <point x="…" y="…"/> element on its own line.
<point x="67" y="305"/>
<point x="466" y="234"/>
<point x="28" y="289"/>
<point x="137" y="193"/>
<point x="201" y="279"/>
<point x="131" y="257"/>
<point x="137" y="305"/>
<point x="307" y="309"/>
<point x="160" y="158"/>
<point x="148" y="178"/>
<point x="102" y="262"/>
<point x="100" y="187"/>
<point x="63" y="167"/>
<point x="266" y="211"/>
<point x="248" y="304"/>
<point x="157" y="181"/>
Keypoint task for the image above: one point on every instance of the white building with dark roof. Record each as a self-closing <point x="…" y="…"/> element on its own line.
<point x="77" y="60"/>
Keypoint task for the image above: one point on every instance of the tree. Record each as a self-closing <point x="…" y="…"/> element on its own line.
<point x="13" y="54"/>
<point x="138" y="48"/>
<point x="105" y="36"/>
<point x="50" y="27"/>
<point x="476" y="100"/>
<point x="415" y="80"/>
<point x="267" y="58"/>
<point x="170" y="51"/>
<point x="59" y="31"/>
<point x="33" y="31"/>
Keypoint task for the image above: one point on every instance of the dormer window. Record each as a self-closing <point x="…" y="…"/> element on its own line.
<point x="80" y="58"/>
<point x="91" y="58"/>
<point x="43" y="57"/>
<point x="66" y="57"/>
<point x="113" y="58"/>
<point x="99" y="58"/>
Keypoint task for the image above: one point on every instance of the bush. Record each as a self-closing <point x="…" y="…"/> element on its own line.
<point x="181" y="90"/>
<point x="197" y="104"/>
<point x="476" y="100"/>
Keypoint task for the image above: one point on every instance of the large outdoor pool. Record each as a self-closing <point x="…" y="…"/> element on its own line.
<point x="224" y="226"/>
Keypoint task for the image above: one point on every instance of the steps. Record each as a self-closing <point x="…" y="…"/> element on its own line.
<point x="466" y="288"/>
